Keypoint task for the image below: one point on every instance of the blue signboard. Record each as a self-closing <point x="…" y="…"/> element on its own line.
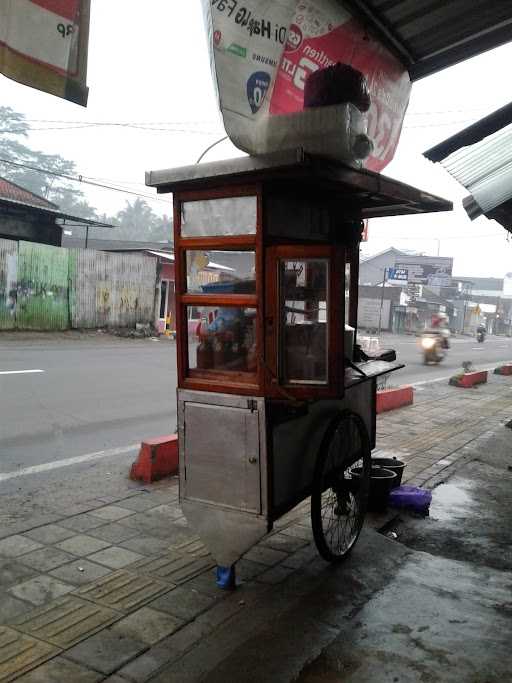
<point x="398" y="274"/>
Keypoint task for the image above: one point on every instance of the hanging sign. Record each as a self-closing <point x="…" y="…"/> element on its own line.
<point x="263" y="51"/>
<point x="43" y="44"/>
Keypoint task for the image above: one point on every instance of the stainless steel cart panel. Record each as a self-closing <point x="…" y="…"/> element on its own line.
<point x="223" y="470"/>
<point x="295" y="444"/>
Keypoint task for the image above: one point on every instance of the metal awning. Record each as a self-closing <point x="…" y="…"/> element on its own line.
<point x="480" y="158"/>
<point x="430" y="35"/>
<point x="364" y="194"/>
<point x="66" y="219"/>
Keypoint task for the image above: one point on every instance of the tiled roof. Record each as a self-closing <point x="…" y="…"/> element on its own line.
<point x="13" y="192"/>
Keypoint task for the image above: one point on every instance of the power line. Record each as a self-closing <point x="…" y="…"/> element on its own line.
<point x="85" y="180"/>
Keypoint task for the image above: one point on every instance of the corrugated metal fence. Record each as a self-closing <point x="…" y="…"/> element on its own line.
<point x="8" y="283"/>
<point x="42" y="300"/>
<point x="111" y="289"/>
<point x="51" y="288"/>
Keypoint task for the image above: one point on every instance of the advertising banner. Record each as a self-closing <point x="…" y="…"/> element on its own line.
<point x="43" y="44"/>
<point x="263" y="52"/>
<point x="399" y="275"/>
<point x="427" y="270"/>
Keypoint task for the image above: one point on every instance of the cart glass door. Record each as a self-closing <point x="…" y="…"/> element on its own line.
<point x="304" y="320"/>
<point x="218" y="295"/>
<point x="303" y="331"/>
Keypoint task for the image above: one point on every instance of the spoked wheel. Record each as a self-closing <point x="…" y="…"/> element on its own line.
<point x="339" y="497"/>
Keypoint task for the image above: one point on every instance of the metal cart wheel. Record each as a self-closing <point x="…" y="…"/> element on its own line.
<point x="339" y="498"/>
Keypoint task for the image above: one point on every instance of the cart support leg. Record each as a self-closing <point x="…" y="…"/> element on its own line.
<point x="226" y="577"/>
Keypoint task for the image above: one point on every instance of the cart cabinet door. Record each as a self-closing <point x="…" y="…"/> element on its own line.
<point x="222" y="456"/>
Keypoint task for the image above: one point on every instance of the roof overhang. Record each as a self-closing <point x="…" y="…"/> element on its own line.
<point x="480" y="158"/>
<point x="65" y="219"/>
<point x="363" y="194"/>
<point x="435" y="34"/>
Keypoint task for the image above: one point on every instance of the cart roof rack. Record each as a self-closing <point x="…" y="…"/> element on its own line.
<point x="364" y="193"/>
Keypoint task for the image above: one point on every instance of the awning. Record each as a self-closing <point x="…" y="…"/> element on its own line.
<point x="480" y="158"/>
<point x="431" y="35"/>
<point x="365" y="194"/>
<point x="64" y="219"/>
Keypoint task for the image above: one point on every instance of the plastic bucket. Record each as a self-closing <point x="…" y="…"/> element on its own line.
<point x="381" y="483"/>
<point x="392" y="464"/>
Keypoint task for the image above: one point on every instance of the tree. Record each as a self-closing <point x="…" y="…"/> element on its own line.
<point x="18" y="163"/>
<point x="138" y="222"/>
<point x="43" y="173"/>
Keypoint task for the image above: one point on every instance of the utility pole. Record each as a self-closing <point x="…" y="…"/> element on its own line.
<point x="382" y="299"/>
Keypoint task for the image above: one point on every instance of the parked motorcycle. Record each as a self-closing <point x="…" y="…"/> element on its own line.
<point x="433" y="346"/>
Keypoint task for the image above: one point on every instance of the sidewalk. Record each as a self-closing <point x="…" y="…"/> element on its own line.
<point x="120" y="590"/>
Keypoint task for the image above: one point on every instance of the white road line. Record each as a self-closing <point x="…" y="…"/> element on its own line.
<point x="57" y="464"/>
<point x="19" y="372"/>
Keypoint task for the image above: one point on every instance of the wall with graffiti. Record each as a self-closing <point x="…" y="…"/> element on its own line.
<point x="52" y="288"/>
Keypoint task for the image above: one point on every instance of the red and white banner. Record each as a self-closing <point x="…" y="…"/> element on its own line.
<point x="263" y="52"/>
<point x="43" y="44"/>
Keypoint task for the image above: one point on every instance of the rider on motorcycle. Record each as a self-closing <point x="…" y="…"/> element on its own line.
<point x="481" y="331"/>
<point x="440" y="325"/>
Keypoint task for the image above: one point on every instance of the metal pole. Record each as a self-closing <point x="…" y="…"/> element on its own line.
<point x="86" y="236"/>
<point x="382" y="300"/>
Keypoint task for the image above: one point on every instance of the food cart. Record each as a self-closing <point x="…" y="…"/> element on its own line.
<point x="276" y="401"/>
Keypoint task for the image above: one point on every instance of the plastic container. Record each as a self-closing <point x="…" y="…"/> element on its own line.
<point x="393" y="464"/>
<point x="411" y="497"/>
<point x="381" y="482"/>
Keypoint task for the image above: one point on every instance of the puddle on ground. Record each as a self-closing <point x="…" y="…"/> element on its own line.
<point x="450" y="501"/>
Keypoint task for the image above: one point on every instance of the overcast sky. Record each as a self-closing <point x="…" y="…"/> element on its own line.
<point x="149" y="66"/>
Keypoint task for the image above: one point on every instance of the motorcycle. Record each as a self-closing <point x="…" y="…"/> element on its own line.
<point x="480" y="336"/>
<point x="433" y="346"/>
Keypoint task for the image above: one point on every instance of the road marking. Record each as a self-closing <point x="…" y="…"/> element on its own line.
<point x="477" y="348"/>
<point x="19" y="372"/>
<point x="57" y="464"/>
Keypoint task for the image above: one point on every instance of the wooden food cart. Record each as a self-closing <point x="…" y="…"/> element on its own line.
<point x="276" y="402"/>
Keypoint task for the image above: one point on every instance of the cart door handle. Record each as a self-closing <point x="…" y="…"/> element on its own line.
<point x="253" y="460"/>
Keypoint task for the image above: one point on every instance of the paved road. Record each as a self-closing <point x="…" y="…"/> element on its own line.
<point x="95" y="394"/>
<point x="494" y="350"/>
<point x="102" y="395"/>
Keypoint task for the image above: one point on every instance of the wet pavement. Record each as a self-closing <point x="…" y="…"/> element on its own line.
<point x="103" y="580"/>
<point x="470" y="513"/>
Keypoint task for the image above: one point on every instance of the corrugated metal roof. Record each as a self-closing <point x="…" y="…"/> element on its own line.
<point x="430" y="35"/>
<point x="11" y="191"/>
<point x="480" y="158"/>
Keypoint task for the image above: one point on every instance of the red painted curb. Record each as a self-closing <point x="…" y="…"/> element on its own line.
<point x="157" y="458"/>
<point x="390" y="399"/>
<point x="503" y="370"/>
<point x="470" y="379"/>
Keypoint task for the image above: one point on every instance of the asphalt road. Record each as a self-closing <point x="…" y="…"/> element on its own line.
<point x="96" y="393"/>
<point x="97" y="397"/>
<point x="494" y="350"/>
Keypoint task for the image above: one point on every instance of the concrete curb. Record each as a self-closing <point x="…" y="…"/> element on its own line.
<point x="157" y="458"/>
<point x="391" y="399"/>
<point x="503" y="369"/>
<point x="469" y="379"/>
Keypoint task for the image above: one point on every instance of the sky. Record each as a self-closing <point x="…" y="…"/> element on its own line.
<point x="149" y="70"/>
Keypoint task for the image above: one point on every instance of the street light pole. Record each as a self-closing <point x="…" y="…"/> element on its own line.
<point x="382" y="299"/>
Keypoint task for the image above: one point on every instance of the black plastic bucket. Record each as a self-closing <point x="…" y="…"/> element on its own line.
<point x="392" y="464"/>
<point x="381" y="483"/>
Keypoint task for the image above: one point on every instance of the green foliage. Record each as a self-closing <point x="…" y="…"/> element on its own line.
<point x="136" y="221"/>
